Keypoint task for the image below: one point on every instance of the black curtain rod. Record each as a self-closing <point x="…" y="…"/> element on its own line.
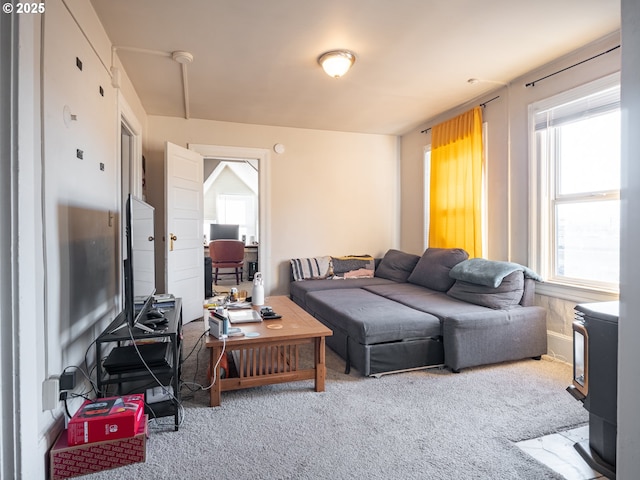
<point x="533" y="84"/>
<point x="482" y="105"/>
<point x="485" y="103"/>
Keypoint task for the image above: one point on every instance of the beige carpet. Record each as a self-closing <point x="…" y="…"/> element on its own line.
<point x="425" y="425"/>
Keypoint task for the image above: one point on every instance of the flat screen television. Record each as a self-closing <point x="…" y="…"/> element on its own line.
<point x="218" y="231"/>
<point x="139" y="263"/>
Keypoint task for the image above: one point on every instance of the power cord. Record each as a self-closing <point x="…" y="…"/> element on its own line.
<point x="68" y="393"/>
<point x="199" y="344"/>
<point x="86" y="363"/>
<point x="64" y="396"/>
<point x="215" y="368"/>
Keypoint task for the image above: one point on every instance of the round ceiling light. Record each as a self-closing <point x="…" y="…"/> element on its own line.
<point x="336" y="62"/>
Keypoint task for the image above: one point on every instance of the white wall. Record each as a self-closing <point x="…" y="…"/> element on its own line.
<point x="628" y="460"/>
<point x="332" y="193"/>
<point x="54" y="185"/>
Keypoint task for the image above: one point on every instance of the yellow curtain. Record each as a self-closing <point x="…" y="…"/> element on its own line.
<point x="456" y="183"/>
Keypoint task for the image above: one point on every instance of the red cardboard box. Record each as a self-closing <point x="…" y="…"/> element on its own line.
<point x="106" y="419"/>
<point x="70" y="461"/>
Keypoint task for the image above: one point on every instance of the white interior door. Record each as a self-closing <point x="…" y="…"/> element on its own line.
<point x="184" y="253"/>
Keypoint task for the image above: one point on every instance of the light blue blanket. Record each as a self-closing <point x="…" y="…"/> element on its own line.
<point x="489" y="272"/>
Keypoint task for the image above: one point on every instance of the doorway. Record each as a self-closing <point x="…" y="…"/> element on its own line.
<point x="231" y="197"/>
<point x="260" y="159"/>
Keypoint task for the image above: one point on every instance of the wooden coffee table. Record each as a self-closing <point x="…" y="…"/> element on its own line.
<point x="274" y="355"/>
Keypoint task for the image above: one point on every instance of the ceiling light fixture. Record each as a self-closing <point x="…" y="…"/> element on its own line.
<point x="336" y="62"/>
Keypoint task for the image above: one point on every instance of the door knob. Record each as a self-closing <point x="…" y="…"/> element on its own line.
<point x="172" y="238"/>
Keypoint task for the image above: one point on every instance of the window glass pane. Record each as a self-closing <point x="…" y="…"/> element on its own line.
<point x="590" y="154"/>
<point x="587" y="240"/>
<point x="235" y="210"/>
<point x="427" y="190"/>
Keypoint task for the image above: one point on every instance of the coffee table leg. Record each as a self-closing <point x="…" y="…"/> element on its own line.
<point x="320" y="364"/>
<point x="214" y="391"/>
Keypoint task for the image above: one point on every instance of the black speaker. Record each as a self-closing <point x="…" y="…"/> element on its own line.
<point x="208" y="278"/>
<point x="253" y="268"/>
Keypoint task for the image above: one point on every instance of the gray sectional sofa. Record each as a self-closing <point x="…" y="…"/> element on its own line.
<point x="438" y="309"/>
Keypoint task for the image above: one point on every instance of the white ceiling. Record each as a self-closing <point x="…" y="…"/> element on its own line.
<point x="255" y="61"/>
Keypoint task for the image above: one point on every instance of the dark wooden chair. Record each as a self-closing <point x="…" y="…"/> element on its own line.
<point x="227" y="254"/>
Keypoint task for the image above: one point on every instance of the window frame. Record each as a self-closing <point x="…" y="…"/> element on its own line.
<point x="544" y="195"/>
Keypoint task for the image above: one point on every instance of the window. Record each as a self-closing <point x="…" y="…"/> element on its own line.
<point x="576" y="190"/>
<point x="425" y="204"/>
<point x="238" y="210"/>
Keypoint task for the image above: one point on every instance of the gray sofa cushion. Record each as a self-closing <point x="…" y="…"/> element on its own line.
<point x="432" y="270"/>
<point x="504" y="335"/>
<point x="397" y="265"/>
<point x="505" y="296"/>
<point x="436" y="303"/>
<point x="369" y="318"/>
<point x="298" y="290"/>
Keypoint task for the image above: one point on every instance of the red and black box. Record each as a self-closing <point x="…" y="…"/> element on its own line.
<point x="107" y="418"/>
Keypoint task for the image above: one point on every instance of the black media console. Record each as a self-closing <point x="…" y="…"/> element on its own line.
<point x="120" y="370"/>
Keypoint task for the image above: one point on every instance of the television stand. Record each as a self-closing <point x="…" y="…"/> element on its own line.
<point x="137" y="378"/>
<point x="138" y="325"/>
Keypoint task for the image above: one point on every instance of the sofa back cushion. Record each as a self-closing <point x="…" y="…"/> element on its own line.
<point x="432" y="270"/>
<point x="397" y="265"/>
<point x="503" y="297"/>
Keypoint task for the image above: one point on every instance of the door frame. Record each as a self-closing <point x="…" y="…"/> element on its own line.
<point x="263" y="156"/>
<point x="129" y="122"/>
<point x="13" y="273"/>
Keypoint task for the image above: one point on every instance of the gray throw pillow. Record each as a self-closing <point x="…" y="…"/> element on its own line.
<point x="432" y="270"/>
<point x="396" y="265"/>
<point x="505" y="296"/>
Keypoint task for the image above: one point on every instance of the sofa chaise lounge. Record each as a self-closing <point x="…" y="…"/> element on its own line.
<point x="416" y="312"/>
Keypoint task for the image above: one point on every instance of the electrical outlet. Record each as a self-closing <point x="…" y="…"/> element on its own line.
<point x="50" y="394"/>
